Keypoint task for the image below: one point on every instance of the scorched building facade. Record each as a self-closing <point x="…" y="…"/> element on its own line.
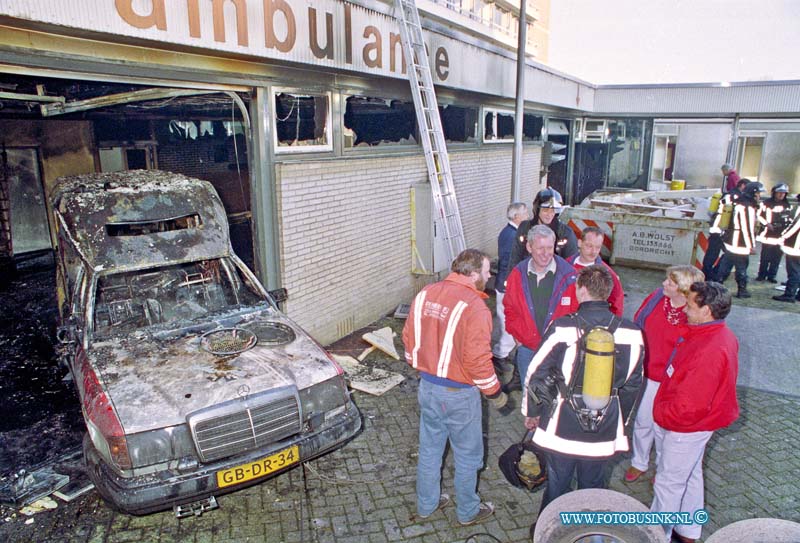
<point x="300" y="114"/>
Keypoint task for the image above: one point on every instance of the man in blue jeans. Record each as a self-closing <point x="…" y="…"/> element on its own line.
<point x="447" y="338"/>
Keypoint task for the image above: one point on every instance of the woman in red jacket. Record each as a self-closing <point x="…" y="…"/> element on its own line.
<point x="663" y="321"/>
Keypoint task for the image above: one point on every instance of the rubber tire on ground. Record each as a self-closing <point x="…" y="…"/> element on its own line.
<point x="549" y="528"/>
<point x="757" y="530"/>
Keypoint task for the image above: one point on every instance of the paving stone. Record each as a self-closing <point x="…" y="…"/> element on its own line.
<point x="126" y="535"/>
<point x="416" y="530"/>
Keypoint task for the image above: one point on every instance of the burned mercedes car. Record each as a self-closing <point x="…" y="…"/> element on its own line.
<point x="192" y="382"/>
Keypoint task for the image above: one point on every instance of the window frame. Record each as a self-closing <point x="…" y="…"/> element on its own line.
<point x="477" y="136"/>
<point x="393" y="146"/>
<point x="279" y="149"/>
<point x="495" y="110"/>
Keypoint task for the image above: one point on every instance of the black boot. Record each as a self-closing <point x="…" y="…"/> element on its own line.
<point x="742" y="293"/>
<point x="784" y="298"/>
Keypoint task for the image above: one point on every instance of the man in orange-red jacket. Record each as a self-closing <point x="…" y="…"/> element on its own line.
<point x="447" y="338"/>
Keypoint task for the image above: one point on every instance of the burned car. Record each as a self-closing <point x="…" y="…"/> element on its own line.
<point x="192" y="382"/>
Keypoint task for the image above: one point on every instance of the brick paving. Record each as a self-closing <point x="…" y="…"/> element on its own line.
<point x="364" y="492"/>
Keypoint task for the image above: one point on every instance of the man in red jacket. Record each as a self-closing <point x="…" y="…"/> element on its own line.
<point x="697" y="396"/>
<point x="447" y="338"/>
<point x="539" y="290"/>
<point x="729" y="178"/>
<point x="589" y="247"/>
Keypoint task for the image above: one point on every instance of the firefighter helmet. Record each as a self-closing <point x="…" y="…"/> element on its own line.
<point x="752" y="189"/>
<point x="547" y="198"/>
<point x="781" y="187"/>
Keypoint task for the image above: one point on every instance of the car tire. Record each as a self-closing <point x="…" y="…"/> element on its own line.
<point x="549" y="528"/>
<point x="757" y="529"/>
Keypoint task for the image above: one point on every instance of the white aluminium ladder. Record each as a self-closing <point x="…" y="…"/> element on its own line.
<point x="430" y="126"/>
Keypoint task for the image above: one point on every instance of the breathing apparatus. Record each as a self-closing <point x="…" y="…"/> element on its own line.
<point x="713" y="205"/>
<point x="726" y="215"/>
<point x="595" y="363"/>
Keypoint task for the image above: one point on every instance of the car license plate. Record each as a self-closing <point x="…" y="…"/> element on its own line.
<point x="259" y="468"/>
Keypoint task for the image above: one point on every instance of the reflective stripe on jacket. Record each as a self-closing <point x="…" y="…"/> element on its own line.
<point x="448" y="334"/>
<point x="559" y="429"/>
<point x="790" y="240"/>
<point x="740" y="237"/>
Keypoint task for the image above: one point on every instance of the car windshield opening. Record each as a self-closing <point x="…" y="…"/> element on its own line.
<point x="129" y="301"/>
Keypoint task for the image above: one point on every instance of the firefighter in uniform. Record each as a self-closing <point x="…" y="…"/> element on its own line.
<point x="711" y="258"/>
<point x="580" y="437"/>
<point x="774" y="216"/>
<point x="546" y="206"/>
<point x="739" y="238"/>
<point x="790" y="244"/>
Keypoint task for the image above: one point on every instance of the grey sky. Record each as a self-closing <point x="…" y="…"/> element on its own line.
<point x="675" y="41"/>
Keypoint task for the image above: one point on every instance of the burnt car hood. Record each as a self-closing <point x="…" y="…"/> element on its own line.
<point x="155" y="383"/>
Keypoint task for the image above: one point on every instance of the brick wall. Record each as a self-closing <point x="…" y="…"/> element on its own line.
<point x="346" y="229"/>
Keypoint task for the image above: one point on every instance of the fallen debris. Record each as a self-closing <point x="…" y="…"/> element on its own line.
<point x="71" y="463"/>
<point x="382" y="339"/>
<point x="402" y="311"/>
<point x="42" y="504"/>
<point x="65" y="477"/>
<point x="79" y="484"/>
<point x="375" y="381"/>
<point x="25" y="488"/>
<point x="365" y="353"/>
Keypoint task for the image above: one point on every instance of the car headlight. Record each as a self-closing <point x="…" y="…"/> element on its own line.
<point x="324" y="400"/>
<point x="159" y="446"/>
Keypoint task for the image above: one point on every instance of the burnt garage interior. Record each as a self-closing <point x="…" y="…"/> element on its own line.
<point x="52" y="127"/>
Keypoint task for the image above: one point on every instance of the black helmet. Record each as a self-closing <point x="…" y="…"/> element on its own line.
<point x="781" y="187"/>
<point x="547" y="198"/>
<point x="753" y="188"/>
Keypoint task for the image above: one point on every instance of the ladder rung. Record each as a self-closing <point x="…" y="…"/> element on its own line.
<point x="427" y="108"/>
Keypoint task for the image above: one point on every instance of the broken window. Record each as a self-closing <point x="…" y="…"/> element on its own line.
<point x="532" y="127"/>
<point x="302" y="122"/>
<point x="150" y="227"/>
<point x="460" y="124"/>
<point x="498" y="126"/>
<point x="369" y="120"/>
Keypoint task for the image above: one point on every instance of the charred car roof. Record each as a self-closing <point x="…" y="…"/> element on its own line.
<point x="132" y="219"/>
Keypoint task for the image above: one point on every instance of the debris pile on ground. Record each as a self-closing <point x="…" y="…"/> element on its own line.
<point x="382" y="339"/>
<point x="65" y="478"/>
<point x="369" y="379"/>
<point x="674" y="204"/>
<point x="362" y="367"/>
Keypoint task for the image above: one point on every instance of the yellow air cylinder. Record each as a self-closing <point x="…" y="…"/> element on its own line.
<point x="713" y="205"/>
<point x="598" y="369"/>
<point x="727" y="213"/>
